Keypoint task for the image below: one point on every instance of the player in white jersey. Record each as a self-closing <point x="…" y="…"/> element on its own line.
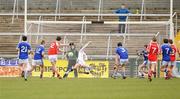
<point x="82" y="57"/>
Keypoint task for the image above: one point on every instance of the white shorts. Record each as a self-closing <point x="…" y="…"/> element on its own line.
<point x="165" y="63"/>
<point x="37" y="62"/>
<point x="23" y="61"/>
<point x="172" y="63"/>
<point x="81" y="62"/>
<point x="123" y="61"/>
<point x="152" y="62"/>
<point x="52" y="58"/>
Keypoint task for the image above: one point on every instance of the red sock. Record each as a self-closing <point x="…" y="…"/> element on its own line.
<point x="150" y="73"/>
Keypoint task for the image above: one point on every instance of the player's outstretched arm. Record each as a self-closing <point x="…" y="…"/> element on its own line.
<point x="85" y="45"/>
<point x="85" y="56"/>
<point x="64" y="44"/>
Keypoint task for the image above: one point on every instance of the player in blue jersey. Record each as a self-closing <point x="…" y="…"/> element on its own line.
<point x="166" y="51"/>
<point x="38" y="58"/>
<point x="24" y="49"/>
<point x="121" y="59"/>
<point x="142" y="68"/>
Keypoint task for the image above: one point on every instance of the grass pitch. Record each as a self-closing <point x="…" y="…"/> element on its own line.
<point x="53" y="88"/>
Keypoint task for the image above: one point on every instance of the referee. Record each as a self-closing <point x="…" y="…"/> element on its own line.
<point x="72" y="56"/>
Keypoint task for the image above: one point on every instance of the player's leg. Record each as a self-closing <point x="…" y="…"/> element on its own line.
<point x="171" y="68"/>
<point x="42" y="71"/>
<point x="155" y="69"/>
<point x="41" y="64"/>
<point x="21" y="66"/>
<point x="78" y="64"/>
<point x="164" y="68"/>
<point x="54" y="69"/>
<point x="151" y="70"/>
<point x="115" y="71"/>
<point x="123" y="64"/>
<point x="145" y="67"/>
<point x="25" y="71"/>
<point x="124" y="71"/>
<point x="53" y="60"/>
<point x="140" y="70"/>
<point x="21" y="69"/>
<point x="69" y="69"/>
<point x="75" y="73"/>
<point x="75" y="70"/>
<point x="33" y="66"/>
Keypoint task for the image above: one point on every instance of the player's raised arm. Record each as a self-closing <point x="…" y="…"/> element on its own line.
<point x="85" y="56"/>
<point x="64" y="44"/>
<point x="85" y="45"/>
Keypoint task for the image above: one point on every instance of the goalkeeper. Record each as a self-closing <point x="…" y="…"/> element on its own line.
<point x="72" y="56"/>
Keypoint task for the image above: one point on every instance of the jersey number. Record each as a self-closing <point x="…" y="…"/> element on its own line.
<point x="154" y="49"/>
<point x="123" y="50"/>
<point x="173" y="52"/>
<point x="38" y="50"/>
<point x="23" y="49"/>
<point x="167" y="50"/>
<point x="52" y="45"/>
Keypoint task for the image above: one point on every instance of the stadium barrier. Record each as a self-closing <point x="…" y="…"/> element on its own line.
<point x="100" y="69"/>
<point x="9" y="68"/>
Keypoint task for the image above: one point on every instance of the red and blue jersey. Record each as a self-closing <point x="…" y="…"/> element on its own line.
<point x="24" y="48"/>
<point x="38" y="52"/>
<point x="122" y="52"/>
<point x="166" y="51"/>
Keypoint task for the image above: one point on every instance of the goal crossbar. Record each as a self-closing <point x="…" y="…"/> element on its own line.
<point x="105" y="22"/>
<point x="78" y="34"/>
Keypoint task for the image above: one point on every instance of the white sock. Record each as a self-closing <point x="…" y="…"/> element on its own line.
<point x="25" y="74"/>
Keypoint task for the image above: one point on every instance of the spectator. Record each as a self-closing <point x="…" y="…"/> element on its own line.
<point x="122" y="10"/>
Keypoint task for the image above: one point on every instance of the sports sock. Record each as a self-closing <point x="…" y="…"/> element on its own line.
<point x="123" y="74"/>
<point x="25" y="74"/>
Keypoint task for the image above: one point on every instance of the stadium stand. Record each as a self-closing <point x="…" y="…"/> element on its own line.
<point x="8" y="42"/>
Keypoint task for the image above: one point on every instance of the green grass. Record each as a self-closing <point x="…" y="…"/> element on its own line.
<point x="51" y="88"/>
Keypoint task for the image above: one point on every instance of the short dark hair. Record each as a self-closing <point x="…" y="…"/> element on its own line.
<point x="145" y="46"/>
<point x="154" y="39"/>
<point x="43" y="42"/>
<point x="170" y="41"/>
<point x="70" y="44"/>
<point x="165" y="40"/>
<point x="119" y="44"/>
<point x="58" y="38"/>
<point x="24" y="38"/>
